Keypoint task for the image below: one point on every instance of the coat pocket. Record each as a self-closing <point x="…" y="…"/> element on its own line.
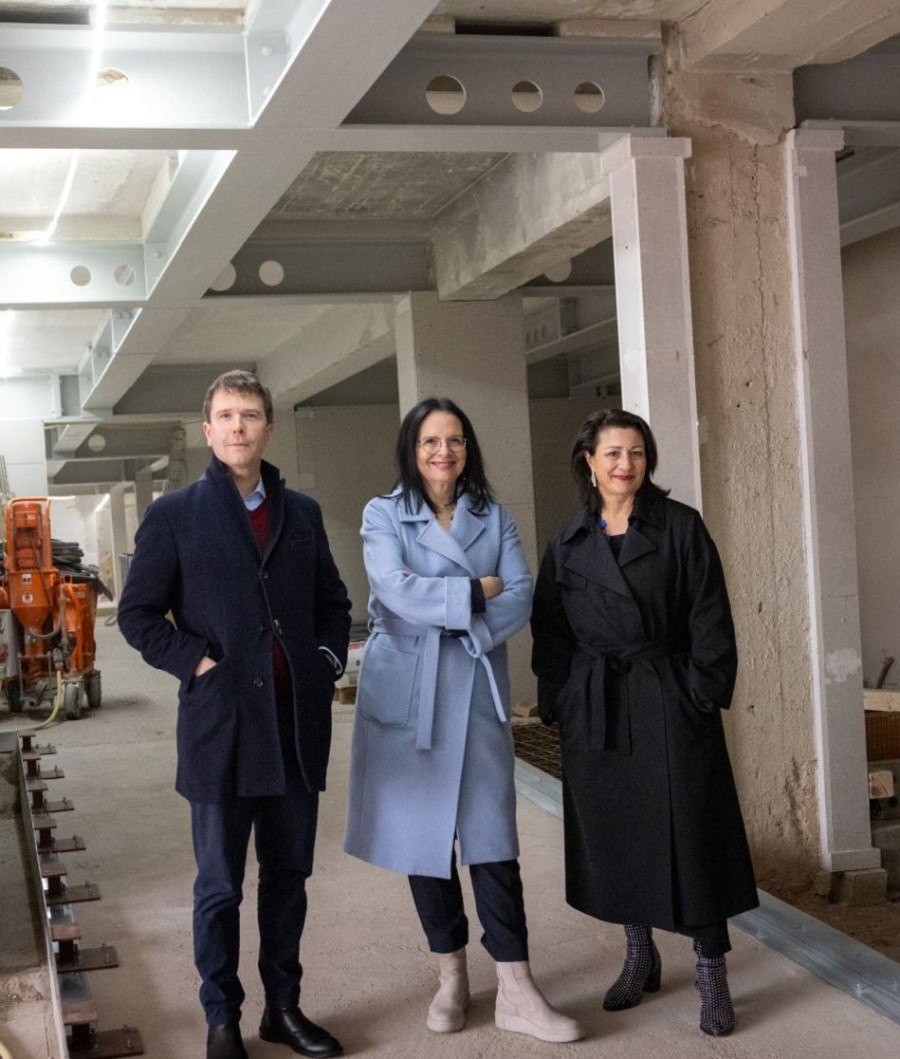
<point x="387" y="681"/>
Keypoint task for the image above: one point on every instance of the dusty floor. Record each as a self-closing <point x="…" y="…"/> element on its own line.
<point x="877" y="927"/>
<point x="368" y="976"/>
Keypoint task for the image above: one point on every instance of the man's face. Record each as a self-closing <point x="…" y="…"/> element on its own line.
<point x="237" y="431"/>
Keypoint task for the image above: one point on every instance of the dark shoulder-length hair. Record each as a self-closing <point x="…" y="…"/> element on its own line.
<point x="472" y="480"/>
<point x="586" y="442"/>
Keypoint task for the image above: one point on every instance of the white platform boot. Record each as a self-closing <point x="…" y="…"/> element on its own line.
<point x="522" y="1009"/>
<point x="447" y="1013"/>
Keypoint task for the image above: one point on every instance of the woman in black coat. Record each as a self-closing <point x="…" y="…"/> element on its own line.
<point x="635" y="655"/>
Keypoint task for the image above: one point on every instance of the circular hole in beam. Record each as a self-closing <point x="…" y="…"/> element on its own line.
<point x="80" y="275"/>
<point x="445" y="95"/>
<point x="226" y="278"/>
<point x="559" y="273"/>
<point x="527" y="97"/>
<point x="124" y="276"/>
<point x="11" y="88"/>
<point x="589" y="98"/>
<point x="271" y="273"/>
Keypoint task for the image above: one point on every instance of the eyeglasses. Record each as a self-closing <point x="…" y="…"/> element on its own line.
<point x="432" y="445"/>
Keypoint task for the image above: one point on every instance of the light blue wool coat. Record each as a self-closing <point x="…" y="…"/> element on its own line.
<point x="432" y="751"/>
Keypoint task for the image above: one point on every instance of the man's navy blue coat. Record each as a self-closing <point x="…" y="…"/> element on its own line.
<point x="196" y="557"/>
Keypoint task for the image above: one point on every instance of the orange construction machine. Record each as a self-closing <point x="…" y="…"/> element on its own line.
<point x="47" y="615"/>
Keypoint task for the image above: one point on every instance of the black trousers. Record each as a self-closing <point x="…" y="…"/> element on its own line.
<point x="498" y="901"/>
<point x="285" y="833"/>
<point x="711" y="939"/>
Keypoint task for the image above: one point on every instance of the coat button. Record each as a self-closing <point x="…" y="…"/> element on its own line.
<point x="264" y="576"/>
<point x="258" y="682"/>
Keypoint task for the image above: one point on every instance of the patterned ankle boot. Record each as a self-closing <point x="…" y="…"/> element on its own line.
<point x="642" y="972"/>
<point x="716" y="1010"/>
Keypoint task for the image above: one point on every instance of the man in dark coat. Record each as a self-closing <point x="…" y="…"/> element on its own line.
<point x="259" y="634"/>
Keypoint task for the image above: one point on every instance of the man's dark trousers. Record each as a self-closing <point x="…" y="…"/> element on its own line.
<point x="285" y="830"/>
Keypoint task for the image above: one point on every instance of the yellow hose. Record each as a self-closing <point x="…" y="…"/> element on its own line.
<point x="46" y="724"/>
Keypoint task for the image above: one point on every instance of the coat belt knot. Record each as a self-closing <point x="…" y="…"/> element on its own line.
<point x="607" y="700"/>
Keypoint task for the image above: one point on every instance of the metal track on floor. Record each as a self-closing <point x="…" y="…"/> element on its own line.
<point x="835" y="958"/>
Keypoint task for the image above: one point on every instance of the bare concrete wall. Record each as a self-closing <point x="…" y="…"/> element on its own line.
<point x="740" y="286"/>
<point x="871" y="272"/>
<point x="554" y="423"/>
<point x="345" y="457"/>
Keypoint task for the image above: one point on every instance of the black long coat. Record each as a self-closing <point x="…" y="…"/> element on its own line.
<point x="635" y="659"/>
<point x="196" y="556"/>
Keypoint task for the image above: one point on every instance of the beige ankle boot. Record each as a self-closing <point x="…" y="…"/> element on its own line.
<point x="522" y="1009"/>
<point x="447" y="1013"/>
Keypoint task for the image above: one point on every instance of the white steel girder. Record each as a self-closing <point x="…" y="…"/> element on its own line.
<point x="289" y="82"/>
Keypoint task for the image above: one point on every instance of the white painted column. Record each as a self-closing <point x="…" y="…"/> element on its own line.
<point x="823" y="407"/>
<point x="473" y="353"/>
<point x="653" y="301"/>
<point x="119" y="527"/>
<point x="143" y="491"/>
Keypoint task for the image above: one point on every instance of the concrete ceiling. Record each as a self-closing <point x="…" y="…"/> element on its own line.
<point x="256" y="184"/>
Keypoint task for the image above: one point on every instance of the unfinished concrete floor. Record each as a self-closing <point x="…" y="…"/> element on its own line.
<point x="368" y="976"/>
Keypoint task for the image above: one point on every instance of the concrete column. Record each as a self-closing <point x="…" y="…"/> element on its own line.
<point x="750" y="442"/>
<point x="828" y="516"/>
<point x="143" y="491"/>
<point x="653" y="302"/>
<point x="473" y="352"/>
<point x="119" y="527"/>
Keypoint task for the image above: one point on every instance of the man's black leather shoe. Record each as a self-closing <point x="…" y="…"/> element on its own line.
<point x="291" y="1027"/>
<point x="224" y="1042"/>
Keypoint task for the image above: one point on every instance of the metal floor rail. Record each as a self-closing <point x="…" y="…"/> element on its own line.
<point x="843" y="962"/>
<point x="69" y="964"/>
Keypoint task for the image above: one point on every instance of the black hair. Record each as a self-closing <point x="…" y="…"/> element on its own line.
<point x="586" y="442"/>
<point x="472" y="480"/>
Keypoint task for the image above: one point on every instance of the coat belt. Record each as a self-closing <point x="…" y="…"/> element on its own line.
<point x="428" y="687"/>
<point x="610" y="723"/>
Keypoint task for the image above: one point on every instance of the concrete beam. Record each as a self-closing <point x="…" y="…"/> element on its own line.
<point x="527" y="215"/>
<point x="760" y="35"/>
<point x="337" y="345"/>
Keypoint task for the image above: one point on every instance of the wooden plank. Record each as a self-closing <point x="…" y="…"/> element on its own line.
<point x="881" y="700"/>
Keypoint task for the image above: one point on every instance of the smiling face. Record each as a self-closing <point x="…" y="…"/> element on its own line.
<point x="237" y="432"/>
<point x="440" y="454"/>
<point x="619" y="462"/>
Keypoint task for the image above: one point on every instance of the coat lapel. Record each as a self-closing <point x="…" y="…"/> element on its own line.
<point x="467" y="527"/>
<point x="634" y="546"/>
<point x="591" y="558"/>
<point x="234" y="521"/>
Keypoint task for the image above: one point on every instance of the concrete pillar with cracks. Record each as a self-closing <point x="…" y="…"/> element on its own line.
<point x="827" y="475"/>
<point x="750" y="440"/>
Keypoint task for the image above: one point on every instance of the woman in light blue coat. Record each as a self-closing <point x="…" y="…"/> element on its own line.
<point x="433" y="758"/>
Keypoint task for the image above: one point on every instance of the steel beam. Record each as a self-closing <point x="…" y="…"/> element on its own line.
<point x="487" y="69"/>
<point x="864" y="89"/>
<point x="383" y="267"/>
<point x="63" y="275"/>
<point x="183" y="79"/>
<point x="868" y="193"/>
